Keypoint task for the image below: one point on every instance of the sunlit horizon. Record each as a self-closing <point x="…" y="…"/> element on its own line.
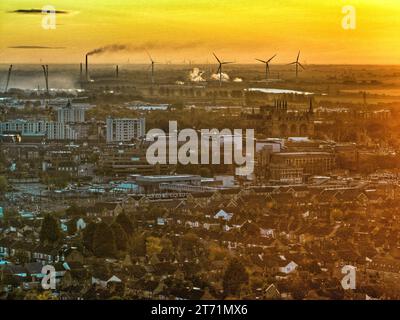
<point x="180" y="31"/>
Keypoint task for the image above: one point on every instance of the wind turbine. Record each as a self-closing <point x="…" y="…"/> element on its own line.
<point x="220" y="64"/>
<point x="266" y="65"/>
<point x="152" y="67"/>
<point x="297" y="63"/>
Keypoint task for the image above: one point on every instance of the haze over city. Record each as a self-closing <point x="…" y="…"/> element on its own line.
<point x="180" y="151"/>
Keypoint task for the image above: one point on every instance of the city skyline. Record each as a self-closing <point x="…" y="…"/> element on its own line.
<point x="175" y="151"/>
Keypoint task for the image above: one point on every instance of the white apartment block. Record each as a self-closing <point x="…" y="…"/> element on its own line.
<point x="23" y="126"/>
<point x="52" y="130"/>
<point x="60" y="131"/>
<point x="69" y="114"/>
<point x="125" y="129"/>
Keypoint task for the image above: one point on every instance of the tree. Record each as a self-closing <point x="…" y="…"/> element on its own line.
<point x="137" y="245"/>
<point x="336" y="215"/>
<point x="153" y="246"/>
<point x="121" y="239"/>
<point x="21" y="257"/>
<point x="235" y="276"/>
<point x="88" y="235"/>
<point x="216" y="252"/>
<point x="75" y="210"/>
<point x="10" y="215"/>
<point x="299" y="287"/>
<point x="155" y="212"/>
<point x="104" y="241"/>
<point x="190" y="242"/>
<point x="167" y="246"/>
<point x="50" y="232"/>
<point x="123" y="220"/>
<point x="313" y="267"/>
<point x="3" y="184"/>
<point x="60" y="180"/>
<point x="46" y="295"/>
<point x="71" y="224"/>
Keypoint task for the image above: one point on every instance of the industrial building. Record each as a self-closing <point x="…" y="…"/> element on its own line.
<point x="151" y="184"/>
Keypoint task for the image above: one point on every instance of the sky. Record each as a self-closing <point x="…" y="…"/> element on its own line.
<point x="183" y="30"/>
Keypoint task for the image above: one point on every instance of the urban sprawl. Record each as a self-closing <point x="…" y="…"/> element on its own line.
<point x="77" y="192"/>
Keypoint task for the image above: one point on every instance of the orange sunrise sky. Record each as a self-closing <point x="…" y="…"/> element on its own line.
<point x="175" y="30"/>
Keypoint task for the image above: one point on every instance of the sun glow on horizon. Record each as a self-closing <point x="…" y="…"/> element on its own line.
<point x="175" y="30"/>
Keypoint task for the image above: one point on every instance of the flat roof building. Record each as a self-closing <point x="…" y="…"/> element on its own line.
<point x="149" y="184"/>
<point x="70" y="114"/>
<point x="125" y="129"/>
<point x="310" y="162"/>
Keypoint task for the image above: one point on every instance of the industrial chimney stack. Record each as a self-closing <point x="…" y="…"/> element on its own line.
<point x="8" y="77"/>
<point x="46" y="76"/>
<point x="86" y="68"/>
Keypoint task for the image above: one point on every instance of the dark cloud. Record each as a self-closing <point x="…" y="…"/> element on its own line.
<point x="34" y="47"/>
<point x="35" y="11"/>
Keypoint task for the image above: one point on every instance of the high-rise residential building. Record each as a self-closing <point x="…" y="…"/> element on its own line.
<point x="125" y="129"/>
<point x="70" y="114"/>
<point x="60" y="131"/>
<point x="23" y="126"/>
<point x="52" y="130"/>
<point x="68" y="117"/>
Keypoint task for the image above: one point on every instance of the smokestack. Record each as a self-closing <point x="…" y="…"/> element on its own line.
<point x="86" y="66"/>
<point x="81" y="71"/>
<point x="8" y="77"/>
<point x="116" y="71"/>
<point x="46" y="76"/>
